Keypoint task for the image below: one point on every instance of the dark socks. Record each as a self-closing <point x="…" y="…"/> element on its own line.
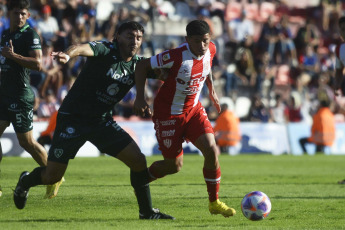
<point x="140" y="183"/>
<point x="33" y="179"/>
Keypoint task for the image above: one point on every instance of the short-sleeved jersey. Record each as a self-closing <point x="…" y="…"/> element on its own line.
<point x="104" y="80"/>
<point x="181" y="90"/>
<point x="340" y="56"/>
<point x="15" y="79"/>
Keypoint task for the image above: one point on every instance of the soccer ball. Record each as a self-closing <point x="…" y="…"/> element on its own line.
<point x="256" y="205"/>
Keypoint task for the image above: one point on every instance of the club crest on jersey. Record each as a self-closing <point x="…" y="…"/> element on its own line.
<point x="17" y="36"/>
<point x="166" y="57"/>
<point x="167" y="143"/>
<point x="58" y="153"/>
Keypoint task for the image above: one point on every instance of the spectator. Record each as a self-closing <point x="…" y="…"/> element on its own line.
<point x="308" y="34"/>
<point x="258" y="111"/>
<point x="286" y="43"/>
<point x="277" y="111"/>
<point x="227" y="131"/>
<point x="48" y="26"/>
<point x="51" y="71"/>
<point x="48" y="105"/>
<point x="323" y="128"/>
<point x="109" y="26"/>
<point x="269" y="38"/>
<point x="242" y="73"/>
<point x="293" y="109"/>
<point x="241" y="31"/>
<point x="46" y="136"/>
<point x="63" y="90"/>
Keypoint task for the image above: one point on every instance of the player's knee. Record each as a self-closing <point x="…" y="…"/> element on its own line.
<point x="25" y="143"/>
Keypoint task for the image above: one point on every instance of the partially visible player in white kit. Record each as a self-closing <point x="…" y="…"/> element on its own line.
<point x="340" y="64"/>
<point x="178" y="114"/>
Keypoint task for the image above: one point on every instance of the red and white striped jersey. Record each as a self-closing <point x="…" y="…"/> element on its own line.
<point x="340" y="54"/>
<point x="187" y="74"/>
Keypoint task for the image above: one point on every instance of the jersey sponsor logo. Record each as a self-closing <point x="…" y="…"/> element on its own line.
<point x="168" y="133"/>
<point x="167" y="143"/>
<point x="36" y="41"/>
<point x="121" y="77"/>
<point x="13" y="106"/>
<point x="58" y="153"/>
<point x="36" y="47"/>
<point x="168" y="122"/>
<point x="70" y="130"/>
<point x="113" y="89"/>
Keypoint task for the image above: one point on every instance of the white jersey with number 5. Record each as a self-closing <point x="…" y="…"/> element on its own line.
<point x="187" y="74"/>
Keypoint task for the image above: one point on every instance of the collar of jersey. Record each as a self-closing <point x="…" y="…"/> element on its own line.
<point x="24" y="28"/>
<point x="191" y="53"/>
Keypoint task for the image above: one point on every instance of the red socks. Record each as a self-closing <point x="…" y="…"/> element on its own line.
<point x="212" y="179"/>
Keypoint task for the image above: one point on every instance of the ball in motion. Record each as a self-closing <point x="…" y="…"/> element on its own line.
<point x="256" y="206"/>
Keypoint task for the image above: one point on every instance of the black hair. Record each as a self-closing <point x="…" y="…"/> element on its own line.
<point x="21" y="4"/>
<point x="341" y="20"/>
<point x="197" y="27"/>
<point x="132" y="25"/>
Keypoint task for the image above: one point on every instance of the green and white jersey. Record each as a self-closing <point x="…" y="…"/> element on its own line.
<point x="15" y="79"/>
<point x="104" y="80"/>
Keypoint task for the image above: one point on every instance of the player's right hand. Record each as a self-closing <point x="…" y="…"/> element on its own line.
<point x="61" y="57"/>
<point x="141" y="108"/>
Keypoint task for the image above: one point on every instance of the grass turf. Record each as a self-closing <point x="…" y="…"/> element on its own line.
<point x="97" y="194"/>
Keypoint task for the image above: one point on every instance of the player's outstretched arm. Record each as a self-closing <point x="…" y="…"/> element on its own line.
<point x="212" y="92"/>
<point x="141" y="71"/>
<point x="34" y="61"/>
<point x="73" y="51"/>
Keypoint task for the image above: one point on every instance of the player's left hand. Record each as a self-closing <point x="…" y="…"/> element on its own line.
<point x="141" y="108"/>
<point x="215" y="101"/>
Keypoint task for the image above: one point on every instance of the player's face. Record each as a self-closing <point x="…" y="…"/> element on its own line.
<point x="342" y="30"/>
<point x="18" y="17"/>
<point x="129" y="42"/>
<point x="198" y="44"/>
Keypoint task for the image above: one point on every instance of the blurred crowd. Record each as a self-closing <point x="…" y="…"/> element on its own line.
<point x="275" y="59"/>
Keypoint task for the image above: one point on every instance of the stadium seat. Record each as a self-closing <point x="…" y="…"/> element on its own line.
<point x="266" y="9"/>
<point x="242" y="106"/>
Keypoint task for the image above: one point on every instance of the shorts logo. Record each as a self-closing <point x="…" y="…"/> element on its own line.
<point x="58" y="153"/>
<point x="113" y="89"/>
<point x="168" y="133"/>
<point x="13" y="106"/>
<point x="168" y="122"/>
<point x="70" y="130"/>
<point x="167" y="143"/>
<point x="31" y="114"/>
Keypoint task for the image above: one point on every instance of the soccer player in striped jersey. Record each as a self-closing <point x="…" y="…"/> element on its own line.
<point x="178" y="115"/>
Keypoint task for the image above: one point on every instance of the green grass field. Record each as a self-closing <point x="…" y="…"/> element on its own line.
<point x="97" y="194"/>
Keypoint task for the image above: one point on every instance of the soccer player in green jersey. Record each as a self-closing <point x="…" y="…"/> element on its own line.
<point x="20" y="51"/>
<point x="85" y="115"/>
